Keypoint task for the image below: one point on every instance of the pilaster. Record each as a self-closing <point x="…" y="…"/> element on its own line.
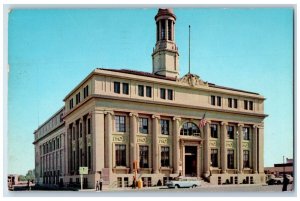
<point x="155" y="143"/>
<point x="176" y="150"/>
<point x="223" y="147"/>
<point x="132" y="138"/>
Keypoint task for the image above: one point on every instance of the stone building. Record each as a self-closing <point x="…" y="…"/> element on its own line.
<point x="115" y="117"/>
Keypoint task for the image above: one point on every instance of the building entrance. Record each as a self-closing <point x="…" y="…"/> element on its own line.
<point x="190" y="161"/>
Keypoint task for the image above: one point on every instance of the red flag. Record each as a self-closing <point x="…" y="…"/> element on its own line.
<point x="202" y="121"/>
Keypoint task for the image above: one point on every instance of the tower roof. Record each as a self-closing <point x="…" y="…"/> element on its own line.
<point x="165" y="11"/>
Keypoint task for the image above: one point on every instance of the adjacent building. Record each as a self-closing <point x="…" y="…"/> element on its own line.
<point x="115" y="117"/>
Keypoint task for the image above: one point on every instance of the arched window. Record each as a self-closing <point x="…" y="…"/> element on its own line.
<point x="190" y="129"/>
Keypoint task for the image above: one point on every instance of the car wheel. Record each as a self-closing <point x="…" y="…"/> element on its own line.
<point x="194" y="186"/>
<point x="278" y="182"/>
<point x="176" y="186"/>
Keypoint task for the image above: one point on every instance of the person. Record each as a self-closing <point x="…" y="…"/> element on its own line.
<point x="133" y="182"/>
<point x="286" y="181"/>
<point x="97" y="186"/>
<point x="28" y="185"/>
<point x="101" y="181"/>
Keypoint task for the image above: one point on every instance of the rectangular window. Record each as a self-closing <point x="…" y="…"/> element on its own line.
<point x="162" y="93"/>
<point x="214" y="130"/>
<point x="80" y="130"/>
<point x="89" y="126"/>
<point x="117" y="87"/>
<point x="219" y="103"/>
<point x="86" y="91"/>
<point x="235" y="103"/>
<point x="230" y="132"/>
<point x="164" y="157"/>
<point x="141" y="90"/>
<point x="71" y="103"/>
<point x="144" y="154"/>
<point x="245" y="104"/>
<point x="120" y="155"/>
<point x="230" y="159"/>
<point x="169" y="30"/>
<point x="125" y="88"/>
<point x="230" y="102"/>
<point x="143" y="125"/>
<point x="78" y="98"/>
<point x="246" y="159"/>
<point x="214" y="157"/>
<point x="149" y="91"/>
<point x="250" y="105"/>
<point x="170" y="94"/>
<point x="164" y="125"/>
<point x="89" y="157"/>
<point x="120" y="123"/>
<point x="213" y="100"/>
<point x="246" y="133"/>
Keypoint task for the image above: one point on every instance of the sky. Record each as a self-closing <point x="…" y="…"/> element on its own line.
<point x="50" y="51"/>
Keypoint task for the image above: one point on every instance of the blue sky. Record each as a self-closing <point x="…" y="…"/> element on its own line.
<point x="51" y="51"/>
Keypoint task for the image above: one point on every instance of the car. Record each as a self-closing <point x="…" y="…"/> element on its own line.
<point x="291" y="179"/>
<point x="183" y="183"/>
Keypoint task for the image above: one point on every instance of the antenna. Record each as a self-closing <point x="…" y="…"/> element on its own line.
<point x="189" y="49"/>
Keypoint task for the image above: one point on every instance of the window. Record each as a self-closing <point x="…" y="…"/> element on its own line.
<point x="230" y="159"/>
<point x="163" y="31"/>
<point x="143" y="126"/>
<point x="190" y="128"/>
<point x="120" y="155"/>
<point x="235" y="103"/>
<point x="78" y="98"/>
<point x="164" y="126"/>
<point x="246" y="133"/>
<point x="164" y="157"/>
<point x="120" y="123"/>
<point x="125" y="88"/>
<point x="80" y="130"/>
<point x="250" y="105"/>
<point x="214" y="157"/>
<point x="170" y="94"/>
<point x="149" y="91"/>
<point x="117" y="87"/>
<point x="86" y="91"/>
<point x="213" y="100"/>
<point x="71" y="103"/>
<point x="219" y="103"/>
<point x="162" y="93"/>
<point x="57" y="143"/>
<point x="214" y="130"/>
<point x="246" y="159"/>
<point x="169" y="30"/>
<point x="144" y="157"/>
<point x="245" y="104"/>
<point x="230" y="132"/>
<point x="61" y="117"/>
<point x="230" y="102"/>
<point x="89" y="157"/>
<point x="89" y="126"/>
<point x="141" y="90"/>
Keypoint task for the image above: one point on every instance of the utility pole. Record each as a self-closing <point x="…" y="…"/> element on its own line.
<point x="283" y="165"/>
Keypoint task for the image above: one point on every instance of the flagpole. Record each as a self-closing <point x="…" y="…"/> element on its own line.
<point x="189" y="49"/>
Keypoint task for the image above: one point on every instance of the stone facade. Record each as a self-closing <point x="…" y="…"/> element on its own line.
<point x="115" y="117"/>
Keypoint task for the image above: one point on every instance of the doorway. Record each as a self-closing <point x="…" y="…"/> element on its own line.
<point x="190" y="161"/>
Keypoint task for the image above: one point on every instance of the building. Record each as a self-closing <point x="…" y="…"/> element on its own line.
<point x="115" y="117"/>
<point x="280" y="169"/>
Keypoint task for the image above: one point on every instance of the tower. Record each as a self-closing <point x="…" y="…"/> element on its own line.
<point x="165" y="54"/>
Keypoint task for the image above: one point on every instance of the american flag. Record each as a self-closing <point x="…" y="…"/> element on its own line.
<point x="202" y="121"/>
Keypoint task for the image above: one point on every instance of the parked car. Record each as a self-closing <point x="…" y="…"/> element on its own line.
<point x="183" y="183"/>
<point x="272" y="180"/>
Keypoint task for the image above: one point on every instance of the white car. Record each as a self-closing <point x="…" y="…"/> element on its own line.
<point x="183" y="183"/>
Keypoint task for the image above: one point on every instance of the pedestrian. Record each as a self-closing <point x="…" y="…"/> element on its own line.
<point x="286" y="182"/>
<point x="28" y="185"/>
<point x="133" y="182"/>
<point x="97" y="186"/>
<point x="101" y="181"/>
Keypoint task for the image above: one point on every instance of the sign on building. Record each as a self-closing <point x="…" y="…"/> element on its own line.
<point x="83" y="170"/>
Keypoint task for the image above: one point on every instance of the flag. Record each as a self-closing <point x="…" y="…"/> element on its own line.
<point x="202" y="121"/>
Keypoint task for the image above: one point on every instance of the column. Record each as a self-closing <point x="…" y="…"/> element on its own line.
<point x="240" y="148"/>
<point x="62" y="153"/>
<point x="132" y="137"/>
<point x="68" y="151"/>
<point x="172" y="33"/>
<point x="260" y="137"/>
<point x="206" y="164"/>
<point x="198" y="160"/>
<point x="155" y="132"/>
<point x="166" y="29"/>
<point x="176" y="149"/>
<point x="223" y="147"/>
<point x="97" y="148"/>
<point x="173" y="36"/>
<point x="84" y="149"/>
<point x="254" y="149"/>
<point x="75" y="148"/>
<point x="108" y="140"/>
